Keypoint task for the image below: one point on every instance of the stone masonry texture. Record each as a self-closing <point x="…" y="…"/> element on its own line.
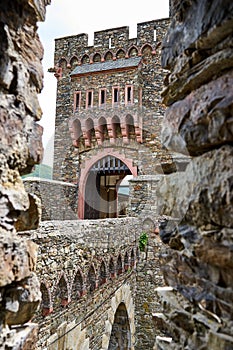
<point x="97" y="287"/>
<point x="20" y="148"/>
<point x="77" y="305"/>
<point x="196" y="264"/>
<point x="146" y="109"/>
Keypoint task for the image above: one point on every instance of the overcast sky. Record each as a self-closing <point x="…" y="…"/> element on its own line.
<point x="69" y="17"/>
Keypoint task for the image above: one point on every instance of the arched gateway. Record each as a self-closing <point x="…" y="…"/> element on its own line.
<point x="99" y="183"/>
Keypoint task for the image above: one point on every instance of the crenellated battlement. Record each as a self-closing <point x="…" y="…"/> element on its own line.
<point x="108" y="44"/>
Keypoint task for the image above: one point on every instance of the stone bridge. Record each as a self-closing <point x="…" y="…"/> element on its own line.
<point x="89" y="274"/>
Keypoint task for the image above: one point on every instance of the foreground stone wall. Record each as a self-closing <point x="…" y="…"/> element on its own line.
<point x="20" y="148"/>
<point x="198" y="264"/>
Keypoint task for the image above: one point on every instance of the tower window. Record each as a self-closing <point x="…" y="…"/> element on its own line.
<point x="116" y="95"/>
<point x="129" y="94"/>
<point x="102" y="97"/>
<point x="77" y="100"/>
<point x="89" y="101"/>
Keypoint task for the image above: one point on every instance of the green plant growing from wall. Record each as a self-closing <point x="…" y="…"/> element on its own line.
<point x="143" y="239"/>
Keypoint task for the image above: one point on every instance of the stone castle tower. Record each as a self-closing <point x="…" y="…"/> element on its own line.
<point x="76" y="275"/>
<point x="108" y="102"/>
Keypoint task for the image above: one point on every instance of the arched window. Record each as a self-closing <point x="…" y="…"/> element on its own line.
<point x="103" y="130"/>
<point x="63" y="63"/>
<point x="147" y="51"/>
<point x="90" y="131"/>
<point x="116" y="127"/>
<point x="130" y="129"/>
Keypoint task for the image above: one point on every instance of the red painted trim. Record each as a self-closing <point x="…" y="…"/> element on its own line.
<point x="126" y="94"/>
<point x="84" y="174"/>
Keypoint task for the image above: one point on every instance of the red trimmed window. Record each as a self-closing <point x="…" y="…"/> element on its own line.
<point x="89" y="99"/>
<point x="115" y="95"/>
<point x="129" y="94"/>
<point x="102" y="97"/>
<point x="77" y="100"/>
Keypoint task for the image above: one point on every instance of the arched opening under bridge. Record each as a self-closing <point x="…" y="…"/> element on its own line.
<point x="120" y="336"/>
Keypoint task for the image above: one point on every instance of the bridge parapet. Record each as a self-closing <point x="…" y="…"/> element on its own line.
<point x="81" y="265"/>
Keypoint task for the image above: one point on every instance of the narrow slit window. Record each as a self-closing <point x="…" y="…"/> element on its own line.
<point x="155" y="34"/>
<point x="129" y="95"/>
<point x="102" y="97"/>
<point x="116" y="95"/>
<point x="89" y="99"/>
<point x="77" y="101"/>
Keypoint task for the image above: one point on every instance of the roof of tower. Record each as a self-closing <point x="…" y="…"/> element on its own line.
<point x="107" y="65"/>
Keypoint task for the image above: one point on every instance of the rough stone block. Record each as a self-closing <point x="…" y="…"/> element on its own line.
<point x="22" y="301"/>
<point x="17" y="258"/>
<point x="203" y="195"/>
<point x="202" y="120"/>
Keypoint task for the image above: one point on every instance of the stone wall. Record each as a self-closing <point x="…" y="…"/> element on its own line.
<point x="20" y="148"/>
<point x="86" y="269"/>
<point x="148" y="278"/>
<point x="58" y="199"/>
<point x="143" y="196"/>
<point x="198" y="261"/>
